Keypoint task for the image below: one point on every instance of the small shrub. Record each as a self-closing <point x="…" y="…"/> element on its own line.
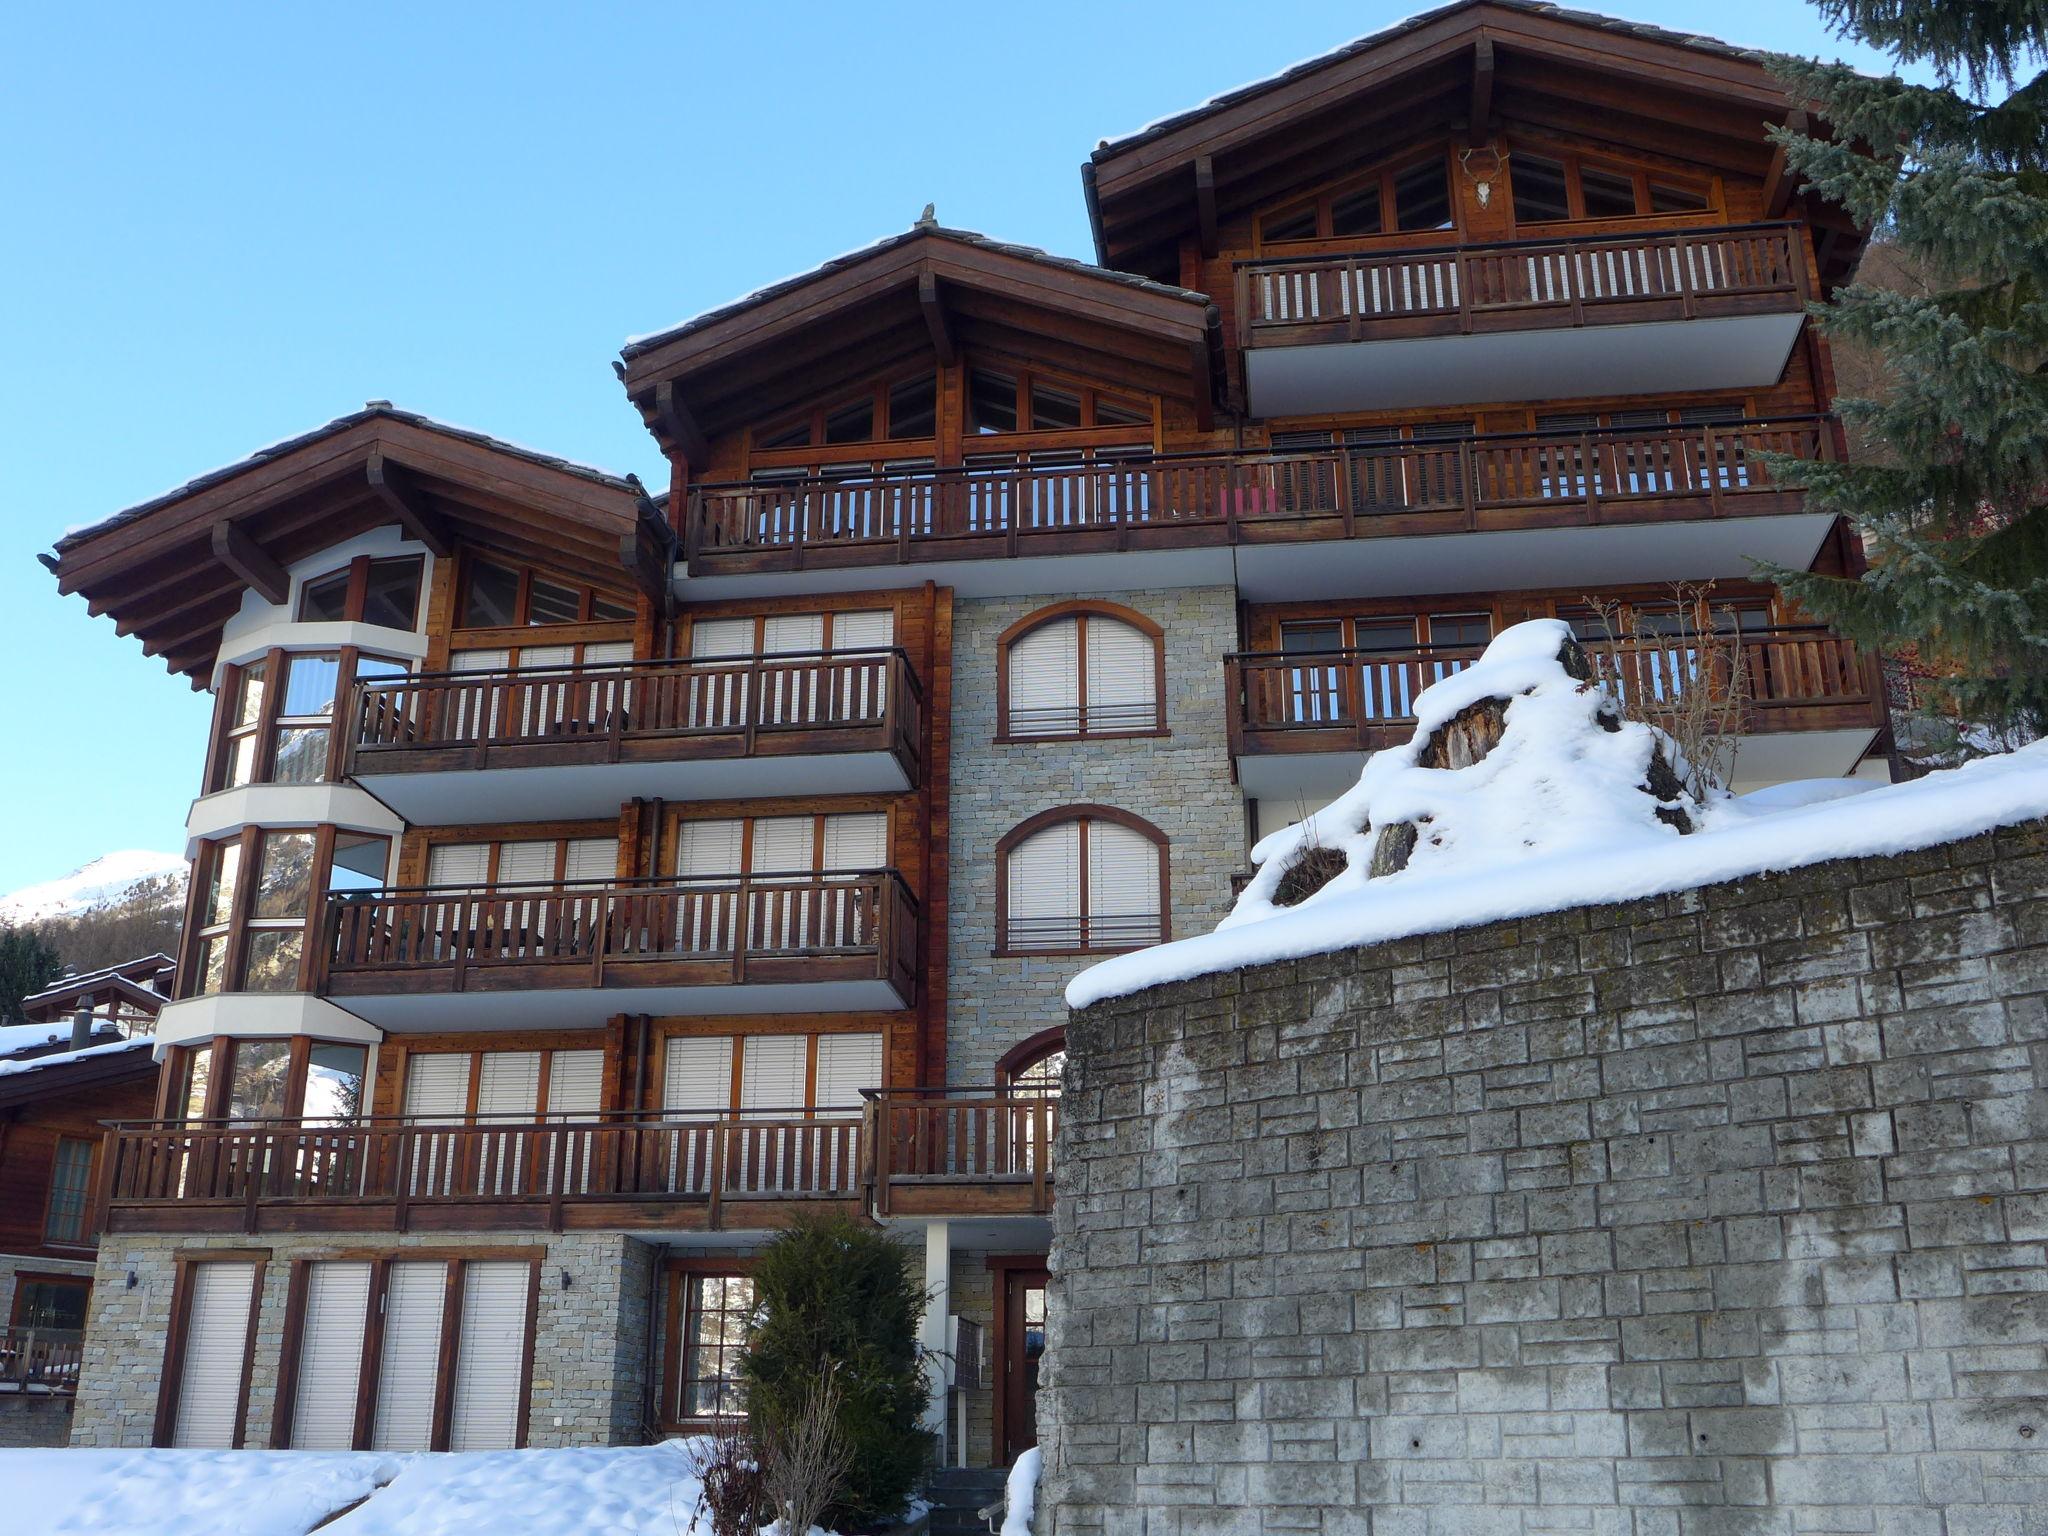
<point x="729" y="1468"/>
<point x="835" y="1296"/>
<point x="805" y="1465"/>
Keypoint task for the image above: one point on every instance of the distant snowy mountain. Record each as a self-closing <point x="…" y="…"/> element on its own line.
<point x="106" y="881"/>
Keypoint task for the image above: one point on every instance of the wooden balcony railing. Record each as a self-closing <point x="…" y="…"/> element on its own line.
<point x="1373" y="295"/>
<point x="40" y="1359"/>
<point x="702" y="931"/>
<point x="1180" y="501"/>
<point x="509" y="1170"/>
<point x="1797" y="678"/>
<point x="952" y="1151"/>
<point x="694" y="707"/>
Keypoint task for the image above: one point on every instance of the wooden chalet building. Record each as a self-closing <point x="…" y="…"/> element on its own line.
<point x="587" y="877"/>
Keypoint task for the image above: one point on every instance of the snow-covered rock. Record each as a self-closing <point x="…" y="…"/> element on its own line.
<point x="1554" y="816"/>
<point x="106" y="879"/>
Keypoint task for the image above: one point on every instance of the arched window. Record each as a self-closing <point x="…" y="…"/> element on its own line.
<point x="1081" y="669"/>
<point x="1080" y="880"/>
<point x="1034" y="1066"/>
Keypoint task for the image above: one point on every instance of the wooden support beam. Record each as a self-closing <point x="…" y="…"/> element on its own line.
<point x="678" y="425"/>
<point x="1205" y="203"/>
<point x="935" y="320"/>
<point x="1780" y="182"/>
<point x="1481" y="110"/>
<point x="397" y="492"/>
<point x="1198" y="369"/>
<point x="240" y="553"/>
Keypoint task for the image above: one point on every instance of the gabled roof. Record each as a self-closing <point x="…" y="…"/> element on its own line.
<point x="912" y="294"/>
<point x="53" y="1003"/>
<point x="173" y="569"/>
<point x="1629" y="82"/>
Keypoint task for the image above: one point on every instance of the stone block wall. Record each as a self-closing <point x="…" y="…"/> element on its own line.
<point x="1180" y="783"/>
<point x="1717" y="1214"/>
<point x="590" y="1337"/>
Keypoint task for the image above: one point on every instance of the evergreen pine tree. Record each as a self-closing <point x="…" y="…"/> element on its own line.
<point x="1950" y="496"/>
<point x="833" y="1295"/>
<point x="28" y="963"/>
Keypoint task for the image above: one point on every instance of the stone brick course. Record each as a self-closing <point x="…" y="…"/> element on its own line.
<point x="1180" y="783"/>
<point x="1717" y="1214"/>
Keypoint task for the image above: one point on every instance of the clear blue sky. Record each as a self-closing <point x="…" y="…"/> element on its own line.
<point x="220" y="226"/>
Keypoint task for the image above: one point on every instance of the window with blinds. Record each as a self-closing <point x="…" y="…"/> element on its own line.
<point x="1082" y="674"/>
<point x="330" y="1356"/>
<point x="216" y="1348"/>
<point x="1082" y="884"/>
<point x="490" y="1356"/>
<point x="791" y="1105"/>
<point x="408" y="1367"/>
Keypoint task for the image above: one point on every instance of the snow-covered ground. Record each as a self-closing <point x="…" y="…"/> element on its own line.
<point x="1552" y="818"/>
<point x="580" y="1492"/>
<point x="648" y="1490"/>
<point x="105" y="879"/>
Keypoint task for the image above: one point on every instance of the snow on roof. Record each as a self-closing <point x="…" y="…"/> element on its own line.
<point x="26" y="1037"/>
<point x="13" y="1068"/>
<point x="584" y="1491"/>
<point x="1551" y="819"/>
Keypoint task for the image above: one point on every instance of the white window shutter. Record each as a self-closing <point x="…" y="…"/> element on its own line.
<point x="508" y="1085"/>
<point x="526" y="861"/>
<point x="707" y="857"/>
<point x="495" y="660"/>
<point x="216" y="1340"/>
<point x="1045" y="681"/>
<point x="709" y="848"/>
<point x="593" y="860"/>
<point x="575" y="1084"/>
<point x="722" y="637"/>
<point x="532" y="657"/>
<point x="330" y="1356"/>
<point x="792" y="632"/>
<point x="437" y="1086"/>
<point x="790" y="690"/>
<point x="783" y="845"/>
<point x="476" y="712"/>
<point x="1122" y="677"/>
<point x="846" y="1065"/>
<point x="863" y="631"/>
<point x="408" y="1369"/>
<point x="458" y="863"/>
<point x="1123" y="887"/>
<point x="1043" y="889"/>
<point x="490" y="1356"/>
<point x="697" y="1074"/>
<point x="857" y="840"/>
<point x="606" y="653"/>
<point x="772" y="1070"/>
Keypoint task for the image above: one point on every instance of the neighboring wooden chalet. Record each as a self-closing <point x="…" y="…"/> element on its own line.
<point x="124" y="997"/>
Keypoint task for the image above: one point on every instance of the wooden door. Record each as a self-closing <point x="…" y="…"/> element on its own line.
<point x="1023" y="1344"/>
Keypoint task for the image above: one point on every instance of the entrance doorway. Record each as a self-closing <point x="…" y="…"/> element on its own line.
<point x="1019" y="1346"/>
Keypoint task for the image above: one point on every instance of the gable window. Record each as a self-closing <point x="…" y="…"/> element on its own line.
<point x="1553" y="187"/>
<point x="1080" y="880"/>
<point x="496" y="596"/>
<point x="1000" y="402"/>
<point x="385" y="592"/>
<point x="1082" y="669"/>
<point x="1401" y="197"/>
<point x="900" y="410"/>
<point x="64" y="1223"/>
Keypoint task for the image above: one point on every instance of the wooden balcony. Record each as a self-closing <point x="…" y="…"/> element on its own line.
<point x="548" y="742"/>
<point x="625" y="1170"/>
<point x="573" y="954"/>
<point x="1508" y="321"/>
<point x="1486" y="483"/>
<point x="949" y="1152"/>
<point x="40" y="1360"/>
<point x="1354" y="702"/>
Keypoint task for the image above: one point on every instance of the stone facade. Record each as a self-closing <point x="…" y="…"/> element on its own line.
<point x="590" y="1360"/>
<point x="34" y="1418"/>
<point x="1180" y="783"/>
<point x="1717" y="1214"/>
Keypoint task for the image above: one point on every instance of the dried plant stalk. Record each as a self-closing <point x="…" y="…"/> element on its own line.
<point x="807" y="1460"/>
<point x="1694" y="686"/>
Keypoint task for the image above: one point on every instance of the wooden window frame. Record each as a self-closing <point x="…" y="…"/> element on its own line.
<point x="241" y="922"/>
<point x="747" y="819"/>
<point x="23" y="1278"/>
<point x="1028" y="1053"/>
<point x="171" y="1382"/>
<point x="674" y="1273"/>
<point x="495" y="838"/>
<point x="812" y="417"/>
<point x="271" y="719"/>
<point x="473" y="1084"/>
<point x="358" y="573"/>
<point x="87" y="1238"/>
<point x="1080" y="611"/>
<point x="1002" y="1267"/>
<point x="380" y="1262"/>
<point x="1638" y="172"/>
<point x="736" y="1030"/>
<point x="1382" y="174"/>
<point x="587" y="599"/>
<point x="175" y="1081"/>
<point x="686" y="627"/>
<point x="1083" y="813"/>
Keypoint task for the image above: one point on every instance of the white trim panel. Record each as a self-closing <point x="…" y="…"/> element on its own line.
<point x="259" y="1016"/>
